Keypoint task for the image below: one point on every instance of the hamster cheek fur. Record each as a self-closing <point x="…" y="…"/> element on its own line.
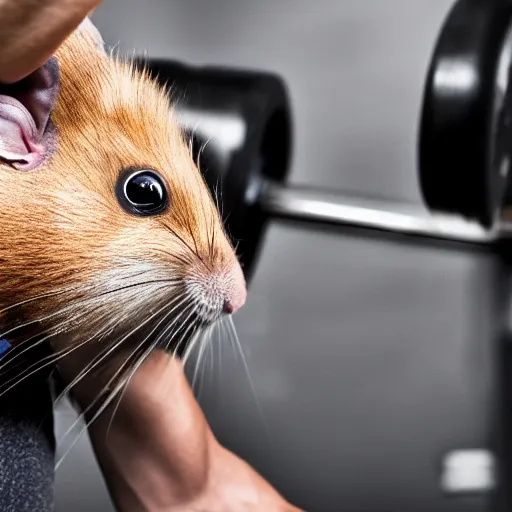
<point x="78" y="268"/>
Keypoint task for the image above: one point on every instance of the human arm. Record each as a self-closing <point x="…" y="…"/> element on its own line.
<point x="160" y="455"/>
<point x="32" y="30"/>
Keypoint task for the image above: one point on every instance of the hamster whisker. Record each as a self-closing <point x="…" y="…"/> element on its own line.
<point x="80" y="302"/>
<point x="94" y="364"/>
<point x="90" y="407"/>
<point x="211" y="238"/>
<point x="191" y="232"/>
<point x="55" y="293"/>
<point x="184" y="335"/>
<point x="220" y="207"/>
<point x="169" y="254"/>
<point x="172" y="325"/>
<point x="220" y="344"/>
<point x="39" y="342"/>
<point x="126" y="382"/>
<point x="59" y="328"/>
<point x="199" y="339"/>
<point x="102" y="356"/>
<point x="37" y="297"/>
<point x="200" y="153"/>
<point x="215" y="193"/>
<point x="134" y="285"/>
<point x="56" y="329"/>
<point x="122" y="386"/>
<point x="188" y="350"/>
<point x="53" y="358"/>
<point x="209" y="221"/>
<point x="180" y="238"/>
<point x="196" y="338"/>
<point x="218" y="196"/>
<point x="235" y="340"/>
<point x="146" y="354"/>
<point x="136" y="366"/>
<point x="99" y="334"/>
<point x="203" y="342"/>
<point x="177" y="348"/>
<point x="195" y="341"/>
<point x="188" y="334"/>
<point x="87" y="424"/>
<point x="208" y="346"/>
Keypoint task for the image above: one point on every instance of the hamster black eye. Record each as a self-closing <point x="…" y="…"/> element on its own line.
<point x="142" y="192"/>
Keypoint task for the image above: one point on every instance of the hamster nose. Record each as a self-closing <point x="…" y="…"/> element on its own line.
<point x="218" y="292"/>
<point x="229" y="307"/>
<point x="233" y="303"/>
<point x="236" y="296"/>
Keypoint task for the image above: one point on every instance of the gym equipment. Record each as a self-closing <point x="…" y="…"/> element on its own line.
<point x="466" y="125"/>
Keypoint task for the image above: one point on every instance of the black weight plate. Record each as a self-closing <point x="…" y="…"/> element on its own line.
<point x="461" y="140"/>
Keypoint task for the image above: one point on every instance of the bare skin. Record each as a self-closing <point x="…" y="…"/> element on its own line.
<point x="32" y="30"/>
<point x="160" y="454"/>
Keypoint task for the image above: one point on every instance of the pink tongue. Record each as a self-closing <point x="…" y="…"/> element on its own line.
<point x="18" y="127"/>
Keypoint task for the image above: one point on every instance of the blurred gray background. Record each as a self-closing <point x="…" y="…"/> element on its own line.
<point x="369" y="357"/>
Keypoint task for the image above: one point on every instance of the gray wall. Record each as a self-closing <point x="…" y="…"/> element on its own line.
<point x="361" y="351"/>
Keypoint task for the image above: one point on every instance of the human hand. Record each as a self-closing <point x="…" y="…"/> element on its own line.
<point x="33" y="31"/>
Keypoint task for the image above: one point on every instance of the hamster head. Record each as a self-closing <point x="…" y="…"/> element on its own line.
<point x="108" y="230"/>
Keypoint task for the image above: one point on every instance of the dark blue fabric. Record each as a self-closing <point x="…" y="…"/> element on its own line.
<point x="4" y="347"/>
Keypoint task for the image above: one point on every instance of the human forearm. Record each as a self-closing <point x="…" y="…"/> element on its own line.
<point x="149" y="480"/>
<point x="155" y="456"/>
<point x="32" y="30"/>
<point x="160" y="454"/>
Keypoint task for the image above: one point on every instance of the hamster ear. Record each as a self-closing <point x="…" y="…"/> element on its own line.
<point x="25" y="109"/>
<point x="87" y="27"/>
